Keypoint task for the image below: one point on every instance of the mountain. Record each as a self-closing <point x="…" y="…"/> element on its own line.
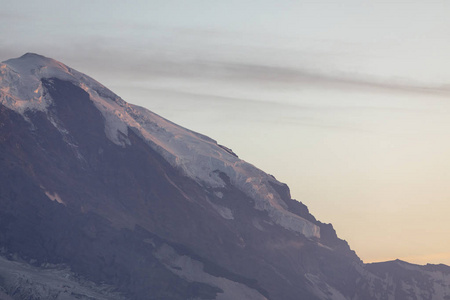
<point x="101" y="199"/>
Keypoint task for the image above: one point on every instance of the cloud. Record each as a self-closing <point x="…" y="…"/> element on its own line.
<point x="188" y="54"/>
<point x="161" y="66"/>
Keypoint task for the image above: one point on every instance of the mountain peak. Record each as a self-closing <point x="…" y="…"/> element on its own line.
<point x="20" y="81"/>
<point x="32" y="61"/>
<point x="199" y="157"/>
<point x="32" y="54"/>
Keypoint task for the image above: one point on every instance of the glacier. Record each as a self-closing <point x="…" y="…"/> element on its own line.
<point x="197" y="156"/>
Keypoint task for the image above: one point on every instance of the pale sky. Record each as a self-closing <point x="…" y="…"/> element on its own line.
<point x="348" y="102"/>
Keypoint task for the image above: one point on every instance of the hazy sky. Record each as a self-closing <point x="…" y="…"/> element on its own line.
<point x="345" y="101"/>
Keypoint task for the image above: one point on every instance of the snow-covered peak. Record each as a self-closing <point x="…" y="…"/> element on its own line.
<point x="30" y="62"/>
<point x="21" y="85"/>
<point x="196" y="155"/>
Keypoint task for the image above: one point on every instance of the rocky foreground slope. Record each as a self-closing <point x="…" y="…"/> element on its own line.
<point x="101" y="199"/>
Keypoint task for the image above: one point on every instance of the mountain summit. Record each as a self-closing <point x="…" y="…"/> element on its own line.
<point x="101" y="199"/>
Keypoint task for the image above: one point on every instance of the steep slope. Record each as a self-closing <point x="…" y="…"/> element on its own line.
<point x="128" y="199"/>
<point x="197" y="156"/>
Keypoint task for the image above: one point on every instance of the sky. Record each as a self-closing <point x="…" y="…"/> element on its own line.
<point x="348" y="102"/>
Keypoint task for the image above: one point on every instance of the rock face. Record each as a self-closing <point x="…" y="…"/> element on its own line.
<point x="132" y="206"/>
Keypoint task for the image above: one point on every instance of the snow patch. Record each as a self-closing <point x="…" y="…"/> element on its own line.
<point x="323" y="290"/>
<point x="439" y="283"/>
<point x="55" y="197"/>
<point x="24" y="281"/>
<point x="225" y="212"/>
<point x="192" y="270"/>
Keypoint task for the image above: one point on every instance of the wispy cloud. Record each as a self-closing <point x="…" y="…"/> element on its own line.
<point x="190" y="54"/>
